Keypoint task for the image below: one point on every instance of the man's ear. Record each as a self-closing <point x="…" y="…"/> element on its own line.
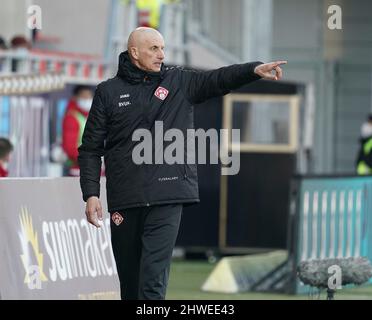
<point x="134" y="53"/>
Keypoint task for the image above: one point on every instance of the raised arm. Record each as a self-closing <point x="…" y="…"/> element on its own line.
<point x="199" y="86"/>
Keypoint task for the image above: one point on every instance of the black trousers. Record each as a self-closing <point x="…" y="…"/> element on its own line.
<point x="143" y="240"/>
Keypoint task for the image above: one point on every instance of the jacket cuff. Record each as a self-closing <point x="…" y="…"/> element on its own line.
<point x="87" y="196"/>
<point x="251" y="66"/>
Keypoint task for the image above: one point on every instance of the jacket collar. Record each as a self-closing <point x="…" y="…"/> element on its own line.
<point x="128" y="71"/>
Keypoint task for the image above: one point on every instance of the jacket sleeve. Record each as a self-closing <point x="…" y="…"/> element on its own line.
<point x="92" y="148"/>
<point x="199" y="86"/>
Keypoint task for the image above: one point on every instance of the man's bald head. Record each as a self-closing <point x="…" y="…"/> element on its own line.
<point x="141" y="34"/>
<point x="146" y="48"/>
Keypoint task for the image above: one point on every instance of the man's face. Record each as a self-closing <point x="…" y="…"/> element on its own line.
<point x="149" y="54"/>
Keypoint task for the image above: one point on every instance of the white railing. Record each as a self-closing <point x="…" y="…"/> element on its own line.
<point x="30" y="84"/>
<point x="75" y="68"/>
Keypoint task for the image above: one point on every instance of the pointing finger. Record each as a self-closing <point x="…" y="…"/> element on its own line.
<point x="280" y="62"/>
<point x="279" y="72"/>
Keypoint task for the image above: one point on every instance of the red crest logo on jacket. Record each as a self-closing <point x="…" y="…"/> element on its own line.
<point x="161" y="93"/>
<point x="117" y="218"/>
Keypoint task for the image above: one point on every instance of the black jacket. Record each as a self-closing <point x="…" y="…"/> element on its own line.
<point x="128" y="102"/>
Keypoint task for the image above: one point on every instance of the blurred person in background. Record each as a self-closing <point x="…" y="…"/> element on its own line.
<point x="21" y="46"/>
<point x="20" y="43"/>
<point x="3" y="46"/>
<point x="148" y="13"/>
<point x="6" y="148"/>
<point x="146" y="201"/>
<point x="73" y="126"/>
<point x="364" y="159"/>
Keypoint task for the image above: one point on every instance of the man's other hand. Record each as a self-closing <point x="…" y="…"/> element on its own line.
<point x="93" y="211"/>
<point x="265" y="70"/>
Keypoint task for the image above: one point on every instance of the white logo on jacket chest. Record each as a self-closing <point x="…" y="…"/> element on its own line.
<point x="124" y="103"/>
<point x="161" y="93"/>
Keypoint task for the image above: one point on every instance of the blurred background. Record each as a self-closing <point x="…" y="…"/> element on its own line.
<point x="304" y="186"/>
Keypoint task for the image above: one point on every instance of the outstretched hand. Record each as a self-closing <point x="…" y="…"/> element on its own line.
<point x="265" y="70"/>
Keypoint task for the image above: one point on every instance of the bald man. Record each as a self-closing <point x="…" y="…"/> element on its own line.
<point x="145" y="200"/>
